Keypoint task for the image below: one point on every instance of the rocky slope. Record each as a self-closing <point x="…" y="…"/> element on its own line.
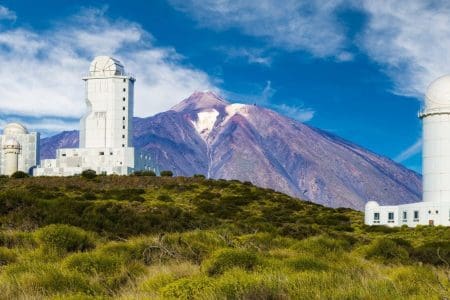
<point x="205" y="134"/>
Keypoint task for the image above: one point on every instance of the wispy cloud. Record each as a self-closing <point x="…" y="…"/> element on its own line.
<point x="409" y="152"/>
<point x="292" y="24"/>
<point x="410" y="40"/>
<point x="251" y="55"/>
<point x="41" y="71"/>
<point x="7" y="14"/>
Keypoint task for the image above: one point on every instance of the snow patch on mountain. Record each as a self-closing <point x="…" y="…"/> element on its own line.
<point x="205" y="122"/>
<point x="236" y="108"/>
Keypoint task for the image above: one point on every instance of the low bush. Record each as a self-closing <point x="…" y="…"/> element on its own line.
<point x="94" y="263"/>
<point x="387" y="250"/>
<point x="201" y="176"/>
<point x="89" y="174"/>
<point x="226" y="259"/>
<point x="19" y="174"/>
<point x="166" y="173"/>
<point x="64" y="238"/>
<point x="435" y="253"/>
<point x="149" y="173"/>
<point x="7" y="256"/>
<point x="197" y="287"/>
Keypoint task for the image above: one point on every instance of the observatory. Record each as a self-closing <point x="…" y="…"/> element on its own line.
<point x="435" y="207"/>
<point x="19" y="149"/>
<point x="106" y="128"/>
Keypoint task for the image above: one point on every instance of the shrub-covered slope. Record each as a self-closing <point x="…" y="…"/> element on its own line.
<point x="143" y="237"/>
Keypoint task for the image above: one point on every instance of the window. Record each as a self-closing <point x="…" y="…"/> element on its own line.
<point x="390" y="217"/>
<point x="123" y="136"/>
<point x="124" y="80"/>
<point x="124" y="89"/>
<point x="405" y="215"/>
<point x="376" y="216"/>
<point x="123" y="146"/>
<point x="110" y="153"/>
<point x="123" y="127"/>
<point x="101" y="153"/>
<point x="429" y="212"/>
<point x="123" y="118"/>
<point x="416" y="215"/>
<point x="63" y="154"/>
<point x="437" y="212"/>
<point x="123" y="108"/>
<point x="123" y="98"/>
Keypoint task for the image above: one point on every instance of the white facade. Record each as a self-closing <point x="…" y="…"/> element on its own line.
<point x="435" y="208"/>
<point x="16" y="143"/>
<point x="106" y="128"/>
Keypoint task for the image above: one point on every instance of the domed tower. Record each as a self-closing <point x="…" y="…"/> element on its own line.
<point x="109" y="98"/>
<point x="436" y="141"/>
<point x="11" y="150"/>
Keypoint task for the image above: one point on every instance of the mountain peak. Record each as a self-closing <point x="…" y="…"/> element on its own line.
<point x="200" y="100"/>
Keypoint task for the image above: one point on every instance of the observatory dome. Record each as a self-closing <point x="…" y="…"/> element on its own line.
<point x="371" y="205"/>
<point x="438" y="94"/>
<point x="106" y="66"/>
<point x="11" y="143"/>
<point x="14" y="128"/>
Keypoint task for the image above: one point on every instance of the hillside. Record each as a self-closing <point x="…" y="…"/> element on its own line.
<point x="205" y="134"/>
<point x="191" y="238"/>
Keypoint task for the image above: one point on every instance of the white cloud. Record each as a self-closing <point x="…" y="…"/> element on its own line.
<point x="41" y="71"/>
<point x="290" y="24"/>
<point x="252" y="55"/>
<point x="298" y="113"/>
<point x="7" y="14"/>
<point x="411" y="40"/>
<point x="409" y="152"/>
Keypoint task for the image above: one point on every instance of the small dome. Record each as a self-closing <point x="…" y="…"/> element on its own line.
<point x="14" y="128"/>
<point x="371" y="205"/>
<point x="106" y="66"/>
<point x="11" y="143"/>
<point x="438" y="94"/>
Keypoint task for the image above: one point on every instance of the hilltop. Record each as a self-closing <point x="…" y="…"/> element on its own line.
<point x="205" y="134"/>
<point x="193" y="238"/>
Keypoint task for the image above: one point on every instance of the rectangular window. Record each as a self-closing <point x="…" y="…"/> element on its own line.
<point x="124" y="80"/>
<point x="123" y="108"/>
<point x="416" y="215"/>
<point x="391" y="216"/>
<point x="123" y="127"/>
<point x="101" y="153"/>
<point x="124" y="89"/>
<point x="405" y="215"/>
<point x="376" y="216"/>
<point x="63" y="154"/>
<point x="123" y="118"/>
<point x="123" y="98"/>
<point x="123" y="136"/>
<point x="123" y="145"/>
<point x="110" y="153"/>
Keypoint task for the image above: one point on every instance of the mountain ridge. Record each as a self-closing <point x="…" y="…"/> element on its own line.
<point x="208" y="135"/>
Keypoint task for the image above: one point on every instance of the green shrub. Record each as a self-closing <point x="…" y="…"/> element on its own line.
<point x="435" y="253"/>
<point x="65" y="238"/>
<point x="149" y="173"/>
<point x="307" y="263"/>
<point x="19" y="174"/>
<point x="166" y="173"/>
<point x="7" y="256"/>
<point x="89" y="174"/>
<point x="225" y="259"/>
<point x="201" y="176"/>
<point x="93" y="263"/>
<point x="197" y="287"/>
<point x="387" y="250"/>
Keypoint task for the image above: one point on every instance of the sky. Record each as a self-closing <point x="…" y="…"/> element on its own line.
<point x="356" y="68"/>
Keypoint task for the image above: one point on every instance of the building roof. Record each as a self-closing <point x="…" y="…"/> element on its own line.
<point x="106" y="66"/>
<point x="437" y="96"/>
<point x="14" y="128"/>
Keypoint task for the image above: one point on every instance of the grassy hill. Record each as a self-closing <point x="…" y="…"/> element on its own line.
<point x="189" y="238"/>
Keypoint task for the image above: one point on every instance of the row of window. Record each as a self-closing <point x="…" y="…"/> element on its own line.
<point x="391" y="216"/>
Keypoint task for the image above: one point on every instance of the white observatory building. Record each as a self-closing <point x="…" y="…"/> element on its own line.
<point x="106" y="128"/>
<point x="19" y="149"/>
<point x="435" y="207"/>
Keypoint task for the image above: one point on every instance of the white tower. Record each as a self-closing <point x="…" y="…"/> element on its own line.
<point x="11" y="151"/>
<point x="109" y="97"/>
<point x="436" y="141"/>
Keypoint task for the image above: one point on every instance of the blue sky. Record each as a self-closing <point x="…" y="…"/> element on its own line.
<point x="352" y="67"/>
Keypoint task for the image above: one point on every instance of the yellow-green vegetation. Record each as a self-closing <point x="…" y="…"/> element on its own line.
<point x="148" y="237"/>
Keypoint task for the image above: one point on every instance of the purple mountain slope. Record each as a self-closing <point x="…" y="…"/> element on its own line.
<point x="207" y="135"/>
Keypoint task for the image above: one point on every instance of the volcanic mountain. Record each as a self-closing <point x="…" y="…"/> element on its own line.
<point x="205" y="134"/>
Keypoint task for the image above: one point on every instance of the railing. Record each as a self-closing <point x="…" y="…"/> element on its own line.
<point x="88" y="74"/>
